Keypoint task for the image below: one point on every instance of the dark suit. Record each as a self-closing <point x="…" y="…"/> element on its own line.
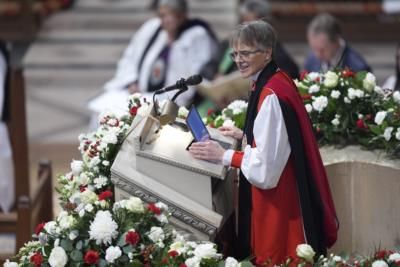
<point x="350" y="59"/>
<point x="4" y="114"/>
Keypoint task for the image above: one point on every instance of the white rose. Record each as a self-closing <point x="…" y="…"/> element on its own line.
<point x="207" y="250"/>
<point x="335" y="121"/>
<point x="156" y="234"/>
<point x="134" y="204"/>
<point x="369" y="82"/>
<point x="306" y="252"/>
<point x="394" y="257"/>
<point x="9" y="263"/>
<point x="58" y="257"/>
<point x="331" y="79"/>
<point x="88" y="196"/>
<point x="76" y="167"/>
<point x="231" y="262"/>
<point x="346" y="100"/>
<point x="379" y="117"/>
<point x="313" y="89"/>
<point x="396" y="97"/>
<point x="228" y="123"/>
<point x="51" y="227"/>
<point x="309" y="108"/>
<point x="379" y="263"/>
<point x="335" y="94"/>
<point x="313" y="76"/>
<point x="388" y="133"/>
<point x="113" y="253"/>
<point x="193" y="262"/>
<point x="398" y="134"/>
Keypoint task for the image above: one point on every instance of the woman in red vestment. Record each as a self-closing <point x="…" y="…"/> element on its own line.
<point x="284" y="196"/>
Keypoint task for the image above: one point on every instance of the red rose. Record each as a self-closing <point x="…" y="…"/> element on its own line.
<point x="306" y="96"/>
<point x="182" y="265"/>
<point x="132" y="238"/>
<point x="210" y="111"/>
<point x="133" y="111"/>
<point x="348" y="73"/>
<point x="91" y="257"/>
<point x="36" y="259"/>
<point x="82" y="188"/>
<point x="173" y="253"/>
<point x="153" y="208"/>
<point x="318" y="79"/>
<point x="368" y="117"/>
<point x="380" y="254"/>
<point x="39" y="228"/>
<point x="105" y="195"/>
<point x="361" y="124"/>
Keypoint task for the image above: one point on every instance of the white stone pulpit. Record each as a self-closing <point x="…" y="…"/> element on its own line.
<point x="155" y="165"/>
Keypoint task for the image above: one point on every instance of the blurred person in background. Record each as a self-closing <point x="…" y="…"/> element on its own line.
<point x="393" y="82"/>
<point x="163" y="50"/>
<point x="6" y="161"/>
<point x="250" y="10"/>
<point x="328" y="48"/>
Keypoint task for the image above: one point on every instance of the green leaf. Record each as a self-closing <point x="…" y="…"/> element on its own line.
<point x="102" y="263"/>
<point x="67" y="245"/>
<point x="76" y="255"/>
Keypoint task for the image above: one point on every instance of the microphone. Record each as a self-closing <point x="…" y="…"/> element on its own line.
<point x="182" y="84"/>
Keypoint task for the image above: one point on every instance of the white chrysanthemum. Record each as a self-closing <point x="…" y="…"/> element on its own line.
<point x="379" y="117"/>
<point x="156" y="234"/>
<point x="76" y="167"/>
<point x="335" y="94"/>
<point x="388" y="133"/>
<point x="111" y="136"/>
<point x="206" y="250"/>
<point x="396" y="97"/>
<point x="228" y="123"/>
<point x="306" y="252"/>
<point x="58" y="257"/>
<point x="379" y="263"/>
<point x="331" y="79"/>
<point x="369" y="82"/>
<point x="313" y="89"/>
<point x="320" y="103"/>
<point x="103" y="229"/>
<point x="100" y="182"/>
<point x="193" y="262"/>
<point x="183" y="112"/>
<point x="113" y="253"/>
<point x="231" y="262"/>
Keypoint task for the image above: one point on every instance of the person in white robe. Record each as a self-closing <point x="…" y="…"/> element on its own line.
<point x="7" y="193"/>
<point x="163" y="50"/>
<point x="393" y="81"/>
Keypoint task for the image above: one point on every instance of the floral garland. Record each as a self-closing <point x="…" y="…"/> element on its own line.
<point x="94" y="230"/>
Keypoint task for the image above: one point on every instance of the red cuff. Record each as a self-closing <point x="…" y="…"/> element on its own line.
<point x="237" y="159"/>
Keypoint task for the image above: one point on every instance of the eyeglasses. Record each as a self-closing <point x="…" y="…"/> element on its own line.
<point x="243" y="54"/>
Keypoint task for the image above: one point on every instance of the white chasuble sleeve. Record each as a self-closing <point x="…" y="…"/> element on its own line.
<point x="263" y="164"/>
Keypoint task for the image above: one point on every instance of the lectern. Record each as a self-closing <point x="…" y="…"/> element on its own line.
<point x="155" y="165"/>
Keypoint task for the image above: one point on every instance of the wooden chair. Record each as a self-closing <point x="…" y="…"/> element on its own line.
<point x="33" y="202"/>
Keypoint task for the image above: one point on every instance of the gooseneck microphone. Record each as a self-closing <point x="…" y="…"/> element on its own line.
<point x="182" y="84"/>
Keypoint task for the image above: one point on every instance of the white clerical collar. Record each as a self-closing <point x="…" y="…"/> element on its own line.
<point x="254" y="77"/>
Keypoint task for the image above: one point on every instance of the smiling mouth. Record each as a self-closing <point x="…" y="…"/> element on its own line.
<point x="243" y="67"/>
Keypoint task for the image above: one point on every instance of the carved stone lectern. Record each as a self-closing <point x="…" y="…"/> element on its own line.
<point x="154" y="165"/>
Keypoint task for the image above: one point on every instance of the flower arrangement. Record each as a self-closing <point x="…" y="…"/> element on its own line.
<point x="349" y="108"/>
<point x="233" y="115"/>
<point x="94" y="230"/>
<point x="345" y="108"/>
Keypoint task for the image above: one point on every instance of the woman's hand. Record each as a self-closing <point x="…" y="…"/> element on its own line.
<point x="133" y="88"/>
<point x="231" y="131"/>
<point x="208" y="150"/>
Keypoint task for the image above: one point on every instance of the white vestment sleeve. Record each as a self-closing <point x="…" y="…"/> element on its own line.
<point x="263" y="164"/>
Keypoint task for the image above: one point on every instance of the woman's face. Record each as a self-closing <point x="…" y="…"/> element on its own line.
<point x="250" y="59"/>
<point x="171" y="19"/>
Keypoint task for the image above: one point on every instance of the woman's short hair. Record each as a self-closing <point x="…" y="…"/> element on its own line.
<point x="327" y="24"/>
<point x="179" y="5"/>
<point x="257" y="33"/>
